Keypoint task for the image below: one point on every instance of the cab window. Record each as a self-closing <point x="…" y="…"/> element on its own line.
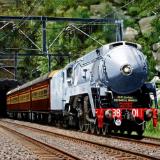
<point x="69" y="72"/>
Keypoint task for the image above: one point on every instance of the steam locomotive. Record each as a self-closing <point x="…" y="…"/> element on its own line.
<point x="101" y="92"/>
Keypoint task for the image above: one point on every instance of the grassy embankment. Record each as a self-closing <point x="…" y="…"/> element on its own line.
<point x="151" y="131"/>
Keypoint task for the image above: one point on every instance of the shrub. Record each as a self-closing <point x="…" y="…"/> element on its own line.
<point x="133" y="11"/>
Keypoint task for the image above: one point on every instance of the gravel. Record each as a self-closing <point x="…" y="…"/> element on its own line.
<point x="12" y="149"/>
<point x="81" y="150"/>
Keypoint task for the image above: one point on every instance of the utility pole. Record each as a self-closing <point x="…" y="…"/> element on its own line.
<point x="44" y="41"/>
<point x="44" y="19"/>
<point x="15" y="65"/>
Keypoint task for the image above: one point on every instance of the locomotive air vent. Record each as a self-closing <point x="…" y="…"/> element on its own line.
<point x="115" y="45"/>
<point x="138" y="46"/>
<point x="131" y="44"/>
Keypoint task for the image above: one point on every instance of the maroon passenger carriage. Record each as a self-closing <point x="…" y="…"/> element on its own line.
<point x="102" y="91"/>
<point x="31" y="100"/>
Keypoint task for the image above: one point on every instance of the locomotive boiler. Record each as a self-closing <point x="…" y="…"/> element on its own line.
<point x="102" y="91"/>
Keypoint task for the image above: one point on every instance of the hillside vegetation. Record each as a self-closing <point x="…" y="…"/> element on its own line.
<point x="72" y="41"/>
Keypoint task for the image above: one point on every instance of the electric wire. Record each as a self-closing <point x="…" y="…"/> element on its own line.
<point x="78" y="28"/>
<point x="20" y="24"/>
<point x="57" y="37"/>
<point x="86" y="34"/>
<point x="24" y="18"/>
<point x="132" y="1"/>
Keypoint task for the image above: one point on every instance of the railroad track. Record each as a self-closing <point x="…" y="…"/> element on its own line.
<point x="111" y="151"/>
<point x="149" y="141"/>
<point x="42" y="150"/>
<point x="152" y="139"/>
<point x="135" y="137"/>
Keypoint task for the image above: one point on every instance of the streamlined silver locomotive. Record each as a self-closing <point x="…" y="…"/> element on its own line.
<point x="108" y="91"/>
<point x="102" y="91"/>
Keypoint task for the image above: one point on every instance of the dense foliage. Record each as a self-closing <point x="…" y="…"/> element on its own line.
<point x="72" y="41"/>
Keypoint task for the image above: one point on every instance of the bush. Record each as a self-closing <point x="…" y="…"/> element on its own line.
<point x="90" y="2"/>
<point x="133" y="11"/>
<point x="129" y="22"/>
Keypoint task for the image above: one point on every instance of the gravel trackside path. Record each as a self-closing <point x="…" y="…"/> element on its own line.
<point x="12" y="149"/>
<point x="81" y="149"/>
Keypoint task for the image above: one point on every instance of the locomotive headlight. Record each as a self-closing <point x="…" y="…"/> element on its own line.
<point x="108" y="113"/>
<point x="118" y="122"/>
<point x="126" y="69"/>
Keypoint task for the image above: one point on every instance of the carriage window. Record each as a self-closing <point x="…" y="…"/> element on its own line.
<point x="69" y="72"/>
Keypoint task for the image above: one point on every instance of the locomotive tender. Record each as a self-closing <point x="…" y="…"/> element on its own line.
<point x="102" y="91"/>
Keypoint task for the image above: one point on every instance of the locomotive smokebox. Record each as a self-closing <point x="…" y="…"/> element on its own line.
<point x="126" y="69"/>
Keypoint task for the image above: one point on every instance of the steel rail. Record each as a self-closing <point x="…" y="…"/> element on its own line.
<point x="140" y="141"/>
<point x="132" y="153"/>
<point x="52" y="151"/>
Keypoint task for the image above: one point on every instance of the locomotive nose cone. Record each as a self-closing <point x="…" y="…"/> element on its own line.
<point x="126" y="69"/>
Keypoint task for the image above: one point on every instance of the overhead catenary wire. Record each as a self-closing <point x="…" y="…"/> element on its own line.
<point x="28" y="12"/>
<point x="78" y="28"/>
<point x="20" y="24"/>
<point x="132" y="1"/>
<point x="24" y="17"/>
<point x="86" y="34"/>
<point x="6" y="70"/>
<point x="74" y="27"/>
<point x="94" y="21"/>
<point x="4" y="25"/>
<point x="57" y="37"/>
<point x="90" y="23"/>
<point x="29" y="39"/>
